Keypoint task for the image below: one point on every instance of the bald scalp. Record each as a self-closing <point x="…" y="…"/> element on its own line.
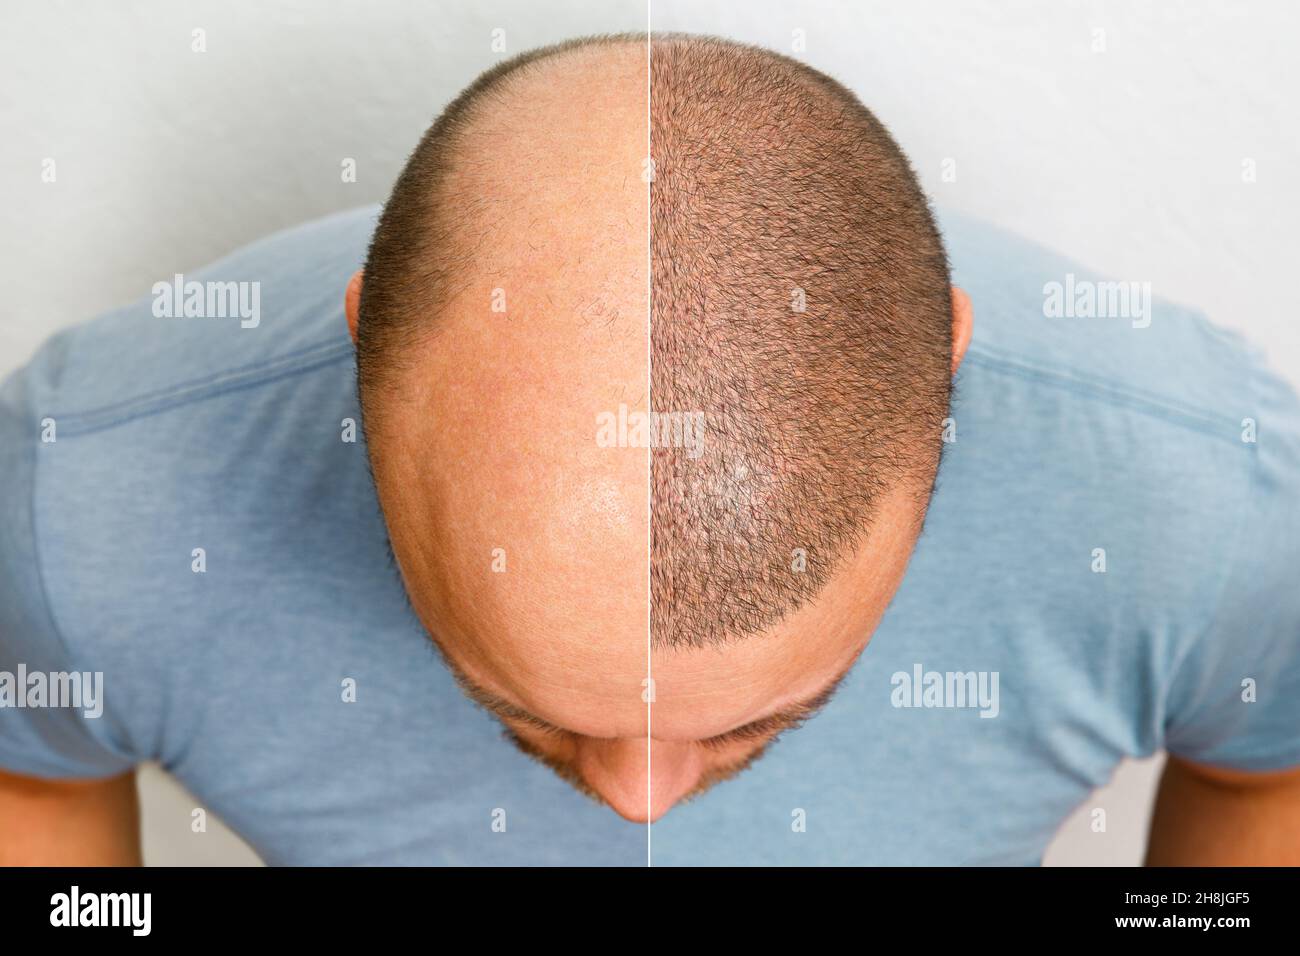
<point x="445" y="207"/>
<point x="799" y="309"/>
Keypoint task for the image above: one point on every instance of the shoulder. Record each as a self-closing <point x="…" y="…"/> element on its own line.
<point x="135" y="443"/>
<point x="1110" y="338"/>
<point x="1133" y="360"/>
<point x="271" y="308"/>
<point x="1140" y="424"/>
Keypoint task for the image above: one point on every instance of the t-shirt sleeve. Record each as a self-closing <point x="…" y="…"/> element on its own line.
<point x="1235" y="698"/>
<point x="60" y="730"/>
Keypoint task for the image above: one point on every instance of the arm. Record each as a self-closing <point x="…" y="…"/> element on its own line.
<point x="69" y="822"/>
<point x="1211" y="816"/>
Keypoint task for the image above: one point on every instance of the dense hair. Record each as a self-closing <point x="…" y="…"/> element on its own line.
<point x="800" y="302"/>
<point x="773" y="182"/>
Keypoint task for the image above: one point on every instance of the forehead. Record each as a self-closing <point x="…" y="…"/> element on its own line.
<point x="521" y="536"/>
<point x="562" y="630"/>
<point x="600" y="691"/>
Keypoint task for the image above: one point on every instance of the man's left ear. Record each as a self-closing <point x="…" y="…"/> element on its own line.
<point x="963" y="319"/>
<point x="352" y="303"/>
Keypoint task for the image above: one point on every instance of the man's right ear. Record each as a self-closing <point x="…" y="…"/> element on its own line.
<point x="963" y="318"/>
<point x="352" y="303"/>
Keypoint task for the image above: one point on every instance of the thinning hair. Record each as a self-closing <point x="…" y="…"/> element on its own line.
<point x="799" y="302"/>
<point x="416" y="259"/>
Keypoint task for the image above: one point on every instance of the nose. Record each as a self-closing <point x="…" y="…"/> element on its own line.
<point x="641" y="780"/>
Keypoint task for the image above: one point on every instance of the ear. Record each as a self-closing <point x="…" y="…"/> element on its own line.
<point x="963" y="319"/>
<point x="352" y="303"/>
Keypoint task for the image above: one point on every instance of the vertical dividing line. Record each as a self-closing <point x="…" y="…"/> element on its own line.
<point x="650" y="488"/>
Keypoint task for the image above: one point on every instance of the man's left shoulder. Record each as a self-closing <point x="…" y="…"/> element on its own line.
<point x="1120" y="420"/>
<point x="1116" y="338"/>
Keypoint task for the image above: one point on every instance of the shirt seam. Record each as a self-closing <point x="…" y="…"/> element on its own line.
<point x="1172" y="413"/>
<point x="60" y="634"/>
<point x="1251" y="486"/>
<point x="196" y="391"/>
<point x="1112" y="393"/>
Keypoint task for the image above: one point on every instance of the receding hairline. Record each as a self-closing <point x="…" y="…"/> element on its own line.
<point x="392" y="285"/>
<point x="496" y="80"/>
<point x="441" y="145"/>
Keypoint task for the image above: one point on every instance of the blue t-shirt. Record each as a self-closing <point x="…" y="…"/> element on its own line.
<point x="1105" y="540"/>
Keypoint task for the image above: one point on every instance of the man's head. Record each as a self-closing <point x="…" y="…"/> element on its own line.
<point x="530" y="321"/>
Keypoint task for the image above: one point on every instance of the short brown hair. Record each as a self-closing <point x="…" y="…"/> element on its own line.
<point x="801" y="302"/>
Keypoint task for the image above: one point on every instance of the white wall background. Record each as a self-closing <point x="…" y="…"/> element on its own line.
<point x="1129" y="158"/>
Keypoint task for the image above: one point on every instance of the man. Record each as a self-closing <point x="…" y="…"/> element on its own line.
<point x="649" y="467"/>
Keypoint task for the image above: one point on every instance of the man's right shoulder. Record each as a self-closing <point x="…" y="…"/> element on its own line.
<point x="268" y="309"/>
<point x="138" y="447"/>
